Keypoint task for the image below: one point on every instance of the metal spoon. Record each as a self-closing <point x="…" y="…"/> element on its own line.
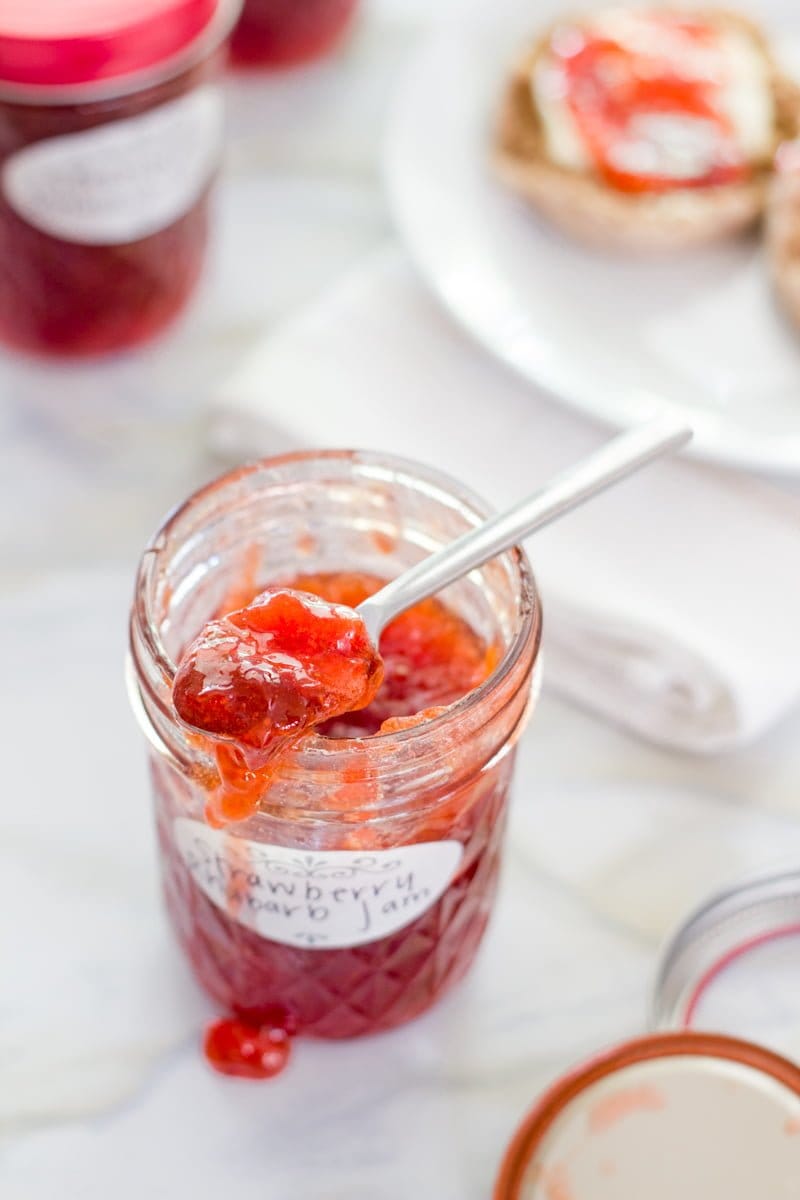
<point x="617" y="459"/>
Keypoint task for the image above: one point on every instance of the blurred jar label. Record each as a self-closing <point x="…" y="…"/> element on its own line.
<point x="122" y="181"/>
<point x="318" y="900"/>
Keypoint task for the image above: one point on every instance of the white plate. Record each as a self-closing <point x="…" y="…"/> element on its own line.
<point x="611" y="335"/>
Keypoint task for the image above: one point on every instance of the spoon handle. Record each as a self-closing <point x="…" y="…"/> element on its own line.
<point x="614" y="461"/>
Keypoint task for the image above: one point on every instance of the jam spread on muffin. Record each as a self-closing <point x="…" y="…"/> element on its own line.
<point x="654" y="100"/>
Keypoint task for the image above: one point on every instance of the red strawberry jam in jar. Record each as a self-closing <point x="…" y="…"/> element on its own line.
<point x="286" y="33"/>
<point x="110" y="137"/>
<point x="353" y="889"/>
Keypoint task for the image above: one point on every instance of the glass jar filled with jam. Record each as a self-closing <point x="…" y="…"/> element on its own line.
<point x="286" y="33"/>
<point x="356" y="886"/>
<point x="110" y="137"/>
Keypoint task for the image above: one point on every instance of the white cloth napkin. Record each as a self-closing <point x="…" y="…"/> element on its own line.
<point x="672" y="603"/>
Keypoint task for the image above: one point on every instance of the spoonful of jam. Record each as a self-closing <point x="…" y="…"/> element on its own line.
<point x="255" y="681"/>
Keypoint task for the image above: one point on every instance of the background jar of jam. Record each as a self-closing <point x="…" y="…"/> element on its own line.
<point x="285" y="33"/>
<point x="110" y="136"/>
<point x="361" y="888"/>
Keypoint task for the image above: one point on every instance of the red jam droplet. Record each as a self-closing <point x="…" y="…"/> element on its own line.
<point x="256" y="680"/>
<point x="248" y="1051"/>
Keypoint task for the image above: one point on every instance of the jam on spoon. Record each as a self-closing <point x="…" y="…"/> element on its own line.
<point x="257" y="679"/>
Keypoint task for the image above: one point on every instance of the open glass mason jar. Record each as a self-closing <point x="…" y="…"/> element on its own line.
<point x="110" y="139"/>
<point x="360" y="889"/>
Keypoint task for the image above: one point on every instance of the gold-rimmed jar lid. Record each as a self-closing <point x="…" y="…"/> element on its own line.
<point x="681" y="1114"/>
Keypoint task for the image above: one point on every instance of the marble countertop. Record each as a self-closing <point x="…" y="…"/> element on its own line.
<point x="102" y="1089"/>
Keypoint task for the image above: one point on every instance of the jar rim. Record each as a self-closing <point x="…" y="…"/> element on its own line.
<point x="316" y="750"/>
<point x="212" y="34"/>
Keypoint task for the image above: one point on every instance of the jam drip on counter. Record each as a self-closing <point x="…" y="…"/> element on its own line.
<point x="256" y="680"/>
<point x="247" y="1049"/>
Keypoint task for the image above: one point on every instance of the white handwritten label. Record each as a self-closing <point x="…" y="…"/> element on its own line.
<point x="324" y="901"/>
<point x="122" y="181"/>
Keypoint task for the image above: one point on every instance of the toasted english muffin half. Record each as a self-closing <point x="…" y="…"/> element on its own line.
<point x="585" y="205"/>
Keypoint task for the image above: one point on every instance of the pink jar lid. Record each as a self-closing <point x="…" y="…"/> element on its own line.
<point x="46" y="43"/>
